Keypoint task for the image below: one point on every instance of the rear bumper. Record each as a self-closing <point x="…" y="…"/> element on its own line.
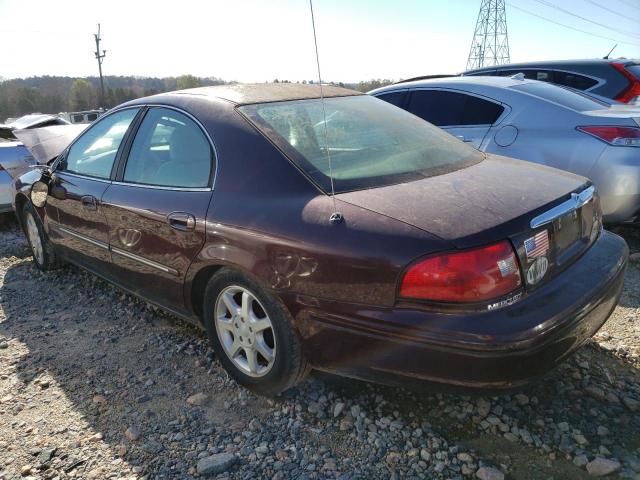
<point x="498" y="349"/>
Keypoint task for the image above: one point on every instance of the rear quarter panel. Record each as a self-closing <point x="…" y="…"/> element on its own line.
<point x="269" y="221"/>
<point x="547" y="135"/>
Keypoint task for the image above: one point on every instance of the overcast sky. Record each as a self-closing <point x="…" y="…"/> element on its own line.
<point x="251" y="40"/>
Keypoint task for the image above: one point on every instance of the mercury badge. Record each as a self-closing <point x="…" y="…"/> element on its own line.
<point x="537" y="270"/>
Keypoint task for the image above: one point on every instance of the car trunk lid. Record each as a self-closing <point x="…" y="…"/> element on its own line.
<point x="496" y="199"/>
<point x="625" y="115"/>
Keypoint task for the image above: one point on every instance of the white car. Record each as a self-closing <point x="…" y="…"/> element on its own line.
<point x="15" y="159"/>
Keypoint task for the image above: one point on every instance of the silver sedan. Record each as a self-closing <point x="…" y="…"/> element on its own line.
<point x="538" y="122"/>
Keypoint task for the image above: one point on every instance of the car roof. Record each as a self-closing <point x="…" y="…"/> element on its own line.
<point x="552" y="64"/>
<point x="245" y="94"/>
<point x="499" y="82"/>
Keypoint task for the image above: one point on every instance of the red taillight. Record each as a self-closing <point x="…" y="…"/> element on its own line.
<point x="620" y="136"/>
<point x="474" y="275"/>
<point x="632" y="90"/>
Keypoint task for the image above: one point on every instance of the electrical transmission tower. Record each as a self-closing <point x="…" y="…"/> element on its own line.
<point x="490" y="45"/>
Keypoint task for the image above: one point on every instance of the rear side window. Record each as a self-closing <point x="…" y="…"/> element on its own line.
<point x="169" y="150"/>
<point x="444" y="108"/>
<point x="480" y="112"/>
<point x="438" y="107"/>
<point x="579" y="82"/>
<point x="394" y="98"/>
<point x="561" y="96"/>
<point x="540" y="75"/>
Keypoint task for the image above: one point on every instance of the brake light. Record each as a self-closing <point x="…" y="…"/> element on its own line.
<point x="474" y="275"/>
<point x="619" y="136"/>
<point x="631" y="91"/>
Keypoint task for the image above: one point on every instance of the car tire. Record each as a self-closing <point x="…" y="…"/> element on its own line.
<point x="243" y="337"/>
<point x="43" y="254"/>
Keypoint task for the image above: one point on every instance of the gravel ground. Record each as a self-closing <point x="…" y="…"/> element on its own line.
<point x="96" y="384"/>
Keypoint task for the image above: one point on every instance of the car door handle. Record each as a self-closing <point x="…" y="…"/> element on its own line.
<point x="464" y="139"/>
<point x="181" y="221"/>
<point x="89" y="202"/>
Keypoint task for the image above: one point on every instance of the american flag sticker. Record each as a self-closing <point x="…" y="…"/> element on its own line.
<point x="537" y="245"/>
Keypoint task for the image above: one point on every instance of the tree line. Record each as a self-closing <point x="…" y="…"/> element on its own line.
<point x="53" y="94"/>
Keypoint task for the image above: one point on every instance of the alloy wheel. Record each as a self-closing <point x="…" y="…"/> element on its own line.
<point x="33" y="234"/>
<point x="245" y="331"/>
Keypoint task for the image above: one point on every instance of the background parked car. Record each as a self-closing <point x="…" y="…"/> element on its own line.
<point x="539" y="122"/>
<point x="86" y="116"/>
<point x="14" y="157"/>
<point x="618" y="79"/>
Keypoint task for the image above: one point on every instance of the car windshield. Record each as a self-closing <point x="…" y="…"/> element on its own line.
<point x="370" y="142"/>
<point x="565" y="97"/>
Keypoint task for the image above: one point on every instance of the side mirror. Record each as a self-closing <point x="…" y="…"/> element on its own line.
<point x="39" y="192"/>
<point x="58" y="191"/>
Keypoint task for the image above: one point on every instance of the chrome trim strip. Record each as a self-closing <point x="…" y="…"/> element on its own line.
<point x="84" y="177"/>
<point x="576" y="201"/>
<point x="159" y="187"/>
<point x="144" y="261"/>
<point x="117" y="251"/>
<point x="90" y="240"/>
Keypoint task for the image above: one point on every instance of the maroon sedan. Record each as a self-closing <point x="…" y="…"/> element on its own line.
<point x="432" y="260"/>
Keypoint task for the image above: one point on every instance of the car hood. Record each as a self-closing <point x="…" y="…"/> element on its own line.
<point x="46" y="143"/>
<point x="491" y="200"/>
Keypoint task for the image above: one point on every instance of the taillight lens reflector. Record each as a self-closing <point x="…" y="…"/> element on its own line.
<point x="620" y="136"/>
<point x="632" y="90"/>
<point x="474" y="275"/>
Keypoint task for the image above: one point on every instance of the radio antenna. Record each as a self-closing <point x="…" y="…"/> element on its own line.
<point x="336" y="217"/>
<point x="606" y="57"/>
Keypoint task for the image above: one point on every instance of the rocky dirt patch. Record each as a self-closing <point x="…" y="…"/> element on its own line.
<point x="96" y="384"/>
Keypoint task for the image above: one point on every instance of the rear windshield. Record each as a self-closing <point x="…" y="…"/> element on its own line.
<point x="370" y="142"/>
<point x="562" y="96"/>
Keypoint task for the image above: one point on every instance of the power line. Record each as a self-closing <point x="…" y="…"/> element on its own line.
<point x="611" y="10"/>
<point x="630" y="4"/>
<point x="570" y="27"/>
<point x="564" y="10"/>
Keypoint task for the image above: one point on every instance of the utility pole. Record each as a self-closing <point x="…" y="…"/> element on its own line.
<point x="99" y="57"/>
<point x="490" y="45"/>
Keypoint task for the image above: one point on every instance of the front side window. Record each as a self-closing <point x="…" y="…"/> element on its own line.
<point x="169" y="150"/>
<point x="394" y="98"/>
<point x="95" y="151"/>
<point x="370" y="143"/>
